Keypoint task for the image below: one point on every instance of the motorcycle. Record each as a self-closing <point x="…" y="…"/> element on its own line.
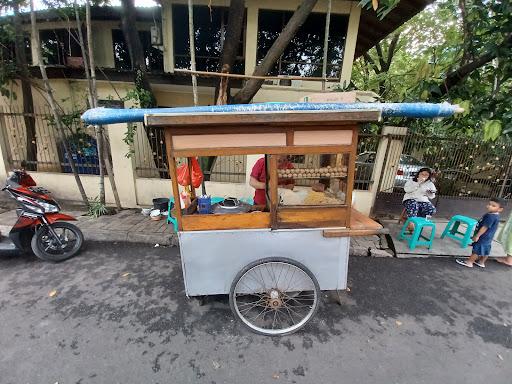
<point x="40" y="226"/>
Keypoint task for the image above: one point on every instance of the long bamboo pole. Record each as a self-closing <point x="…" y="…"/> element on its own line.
<point x="326" y="42"/>
<point x="238" y="76"/>
<point x="192" y="49"/>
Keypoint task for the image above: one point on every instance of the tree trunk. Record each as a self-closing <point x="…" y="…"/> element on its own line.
<point x="230" y="46"/>
<point x="94" y="100"/>
<point x="246" y="94"/>
<point x="26" y="90"/>
<point x="103" y="145"/>
<point x="132" y="38"/>
<point x="91" y="89"/>
<point x="53" y="103"/>
<point x="142" y="84"/>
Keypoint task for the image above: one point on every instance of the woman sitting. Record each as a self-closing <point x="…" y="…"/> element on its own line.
<point x="418" y="193"/>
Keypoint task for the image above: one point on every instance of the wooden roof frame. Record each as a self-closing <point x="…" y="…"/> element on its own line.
<point x="245" y="121"/>
<point x="290" y="127"/>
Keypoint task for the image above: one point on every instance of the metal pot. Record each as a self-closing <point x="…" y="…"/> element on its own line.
<point x="230" y="205"/>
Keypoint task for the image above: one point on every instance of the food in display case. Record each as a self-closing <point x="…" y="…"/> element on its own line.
<point x="313" y="173"/>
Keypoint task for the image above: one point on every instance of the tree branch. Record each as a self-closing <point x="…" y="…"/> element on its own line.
<point x="246" y="94"/>
<point x="380" y="55"/>
<point x="369" y="59"/>
<point x="455" y="77"/>
<point x="392" y="49"/>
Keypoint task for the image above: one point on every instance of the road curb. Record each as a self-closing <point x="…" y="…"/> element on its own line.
<point x="128" y="237"/>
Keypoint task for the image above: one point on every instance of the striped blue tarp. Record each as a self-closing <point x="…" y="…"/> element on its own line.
<point x="102" y="116"/>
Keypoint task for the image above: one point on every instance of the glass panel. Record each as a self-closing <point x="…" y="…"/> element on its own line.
<point x="210" y="27"/>
<point x="304" y="55"/>
<point x="153" y="56"/>
<point x="312" y="179"/>
<point x="58" y="44"/>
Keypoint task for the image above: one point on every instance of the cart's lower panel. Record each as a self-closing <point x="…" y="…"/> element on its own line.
<point x="212" y="259"/>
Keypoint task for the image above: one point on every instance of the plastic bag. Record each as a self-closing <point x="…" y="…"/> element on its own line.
<point x="183" y="174"/>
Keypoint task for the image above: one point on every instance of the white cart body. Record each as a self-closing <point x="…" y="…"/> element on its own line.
<point x="212" y="259"/>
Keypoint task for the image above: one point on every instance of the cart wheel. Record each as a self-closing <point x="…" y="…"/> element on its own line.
<point x="274" y="296"/>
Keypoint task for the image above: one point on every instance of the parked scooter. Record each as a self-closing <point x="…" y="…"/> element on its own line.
<point x="40" y="226"/>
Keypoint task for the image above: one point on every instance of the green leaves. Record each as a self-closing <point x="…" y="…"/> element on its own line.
<point x="492" y="130"/>
<point x="438" y="41"/>
<point x="382" y="7"/>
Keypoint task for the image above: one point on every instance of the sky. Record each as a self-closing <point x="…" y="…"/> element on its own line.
<point x="39" y="4"/>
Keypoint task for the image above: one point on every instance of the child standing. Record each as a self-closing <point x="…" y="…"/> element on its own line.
<point x="484" y="234"/>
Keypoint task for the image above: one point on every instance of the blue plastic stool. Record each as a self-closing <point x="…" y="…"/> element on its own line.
<point x="452" y="229"/>
<point x="417" y="238"/>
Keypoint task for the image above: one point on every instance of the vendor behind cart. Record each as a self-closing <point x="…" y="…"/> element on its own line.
<point x="259" y="178"/>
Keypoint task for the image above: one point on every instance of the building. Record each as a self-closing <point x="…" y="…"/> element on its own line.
<point x="164" y="34"/>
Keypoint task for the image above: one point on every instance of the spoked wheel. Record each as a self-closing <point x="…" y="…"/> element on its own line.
<point x="274" y="296"/>
<point x="59" y="243"/>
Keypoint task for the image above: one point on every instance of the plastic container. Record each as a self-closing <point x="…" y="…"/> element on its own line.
<point x="204" y="205"/>
<point x="161" y="203"/>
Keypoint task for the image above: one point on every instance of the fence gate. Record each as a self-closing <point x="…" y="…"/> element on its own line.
<point x="467" y="172"/>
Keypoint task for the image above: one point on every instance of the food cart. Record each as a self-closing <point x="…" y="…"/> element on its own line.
<point x="272" y="259"/>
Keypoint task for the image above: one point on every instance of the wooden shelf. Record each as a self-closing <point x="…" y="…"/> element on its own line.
<point x="360" y="225"/>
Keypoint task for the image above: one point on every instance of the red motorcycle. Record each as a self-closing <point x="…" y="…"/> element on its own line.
<point x="40" y="226"/>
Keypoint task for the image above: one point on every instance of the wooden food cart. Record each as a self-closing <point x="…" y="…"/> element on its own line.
<point x="274" y="259"/>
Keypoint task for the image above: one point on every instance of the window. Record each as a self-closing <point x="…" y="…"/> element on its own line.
<point x="7" y="49"/>
<point x="304" y="54"/>
<point x="210" y="27"/>
<point x="320" y="180"/>
<point x="59" y="44"/>
<point x="153" y="56"/>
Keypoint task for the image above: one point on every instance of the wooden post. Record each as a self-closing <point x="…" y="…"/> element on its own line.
<point x="274" y="197"/>
<point x="171" y="163"/>
<point x="192" y="189"/>
<point x="351" y="171"/>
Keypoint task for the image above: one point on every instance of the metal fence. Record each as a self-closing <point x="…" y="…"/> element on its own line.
<point x="466" y="171"/>
<point x="33" y="140"/>
<point x="463" y="168"/>
<point x="366" y="152"/>
<point x="151" y="159"/>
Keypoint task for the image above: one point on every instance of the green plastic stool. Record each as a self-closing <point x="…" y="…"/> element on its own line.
<point x="417" y="238"/>
<point x="452" y="229"/>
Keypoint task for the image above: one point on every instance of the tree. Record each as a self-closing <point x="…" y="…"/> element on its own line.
<point x="53" y="103"/>
<point x="383" y="62"/>
<point x="131" y="35"/>
<point x="26" y="88"/>
<point x="13" y="68"/>
<point x="252" y="86"/>
<point x="230" y="47"/>
<point x="452" y="51"/>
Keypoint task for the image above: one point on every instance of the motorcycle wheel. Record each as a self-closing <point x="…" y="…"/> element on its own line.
<point x="46" y="247"/>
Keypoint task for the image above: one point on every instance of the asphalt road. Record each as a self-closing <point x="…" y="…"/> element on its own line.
<point x="118" y="314"/>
